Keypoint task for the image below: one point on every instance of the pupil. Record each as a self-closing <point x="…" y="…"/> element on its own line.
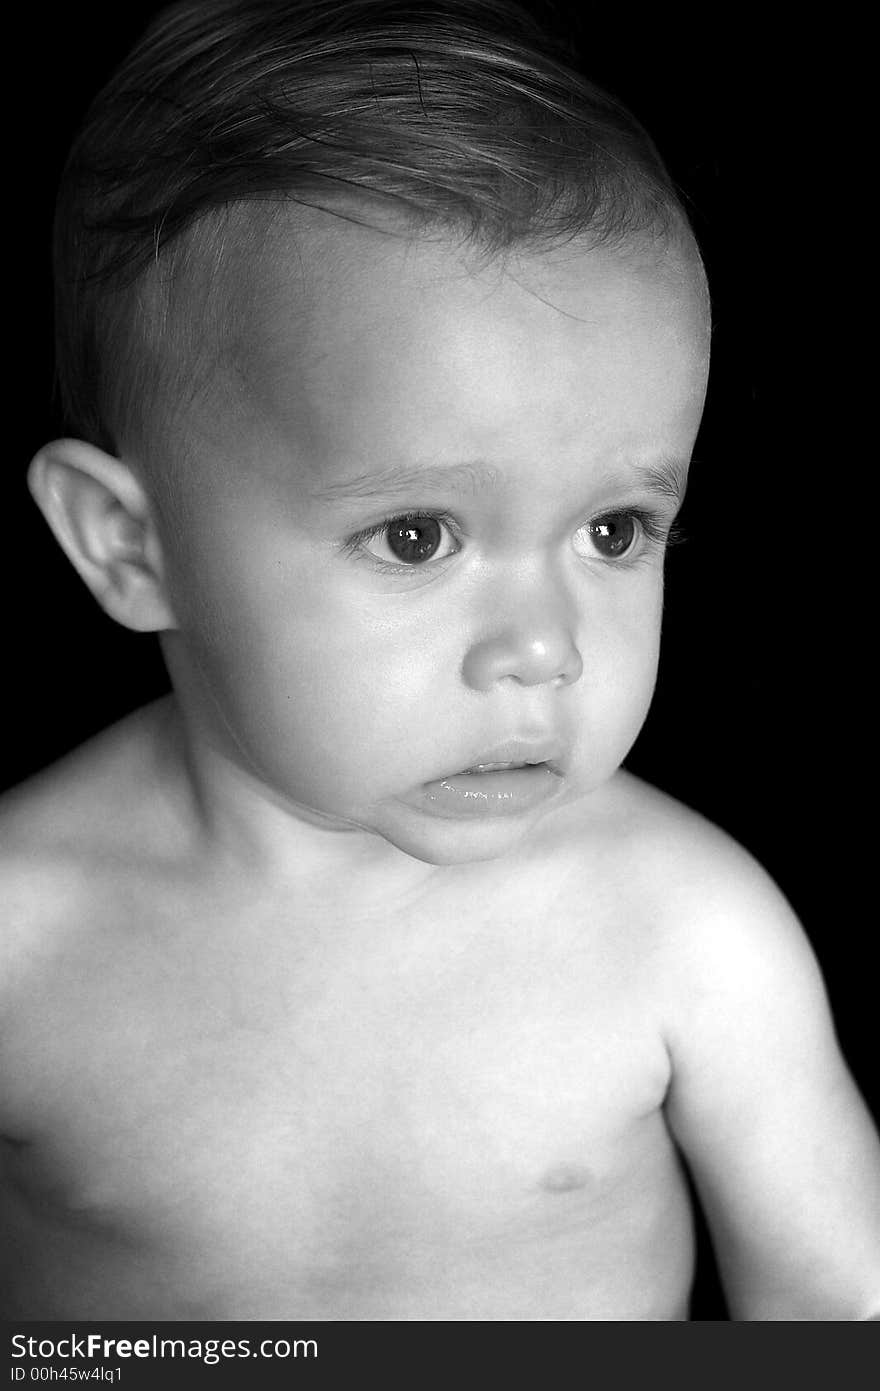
<point x="414" y="541"/>
<point x="612" y="536"/>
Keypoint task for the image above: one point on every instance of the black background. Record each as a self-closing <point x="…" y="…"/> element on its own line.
<point x="761" y="716"/>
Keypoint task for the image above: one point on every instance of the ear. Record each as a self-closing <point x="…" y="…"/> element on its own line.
<point x="102" y="519"/>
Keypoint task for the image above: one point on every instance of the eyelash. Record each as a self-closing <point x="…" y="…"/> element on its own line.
<point x="654" y="528"/>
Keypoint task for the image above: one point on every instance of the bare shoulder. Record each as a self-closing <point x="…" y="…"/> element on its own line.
<point x="74" y="839"/>
<point x="684" y="861"/>
<point x="77" y="800"/>
<point x="65" y="831"/>
<point x="723" y="923"/>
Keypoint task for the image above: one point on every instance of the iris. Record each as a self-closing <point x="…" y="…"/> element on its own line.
<point x="613" y="535"/>
<point x="413" y="540"/>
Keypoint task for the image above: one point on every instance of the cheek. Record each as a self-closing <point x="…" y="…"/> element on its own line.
<point x="309" y="678"/>
<point x="621" y="673"/>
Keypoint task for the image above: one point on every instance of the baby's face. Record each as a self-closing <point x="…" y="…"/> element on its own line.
<point x="427" y="532"/>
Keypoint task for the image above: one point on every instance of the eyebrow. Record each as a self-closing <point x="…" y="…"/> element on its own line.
<point x="666" y="477"/>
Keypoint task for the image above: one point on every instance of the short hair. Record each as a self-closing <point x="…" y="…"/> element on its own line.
<point x="464" y="116"/>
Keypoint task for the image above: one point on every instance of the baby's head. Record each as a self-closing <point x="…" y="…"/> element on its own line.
<point x="382" y="341"/>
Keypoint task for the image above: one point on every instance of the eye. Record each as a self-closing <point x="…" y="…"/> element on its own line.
<point x="612" y="536"/>
<point x="407" y="541"/>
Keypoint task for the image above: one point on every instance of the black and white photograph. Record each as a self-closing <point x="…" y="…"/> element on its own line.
<point x="435" y="677"/>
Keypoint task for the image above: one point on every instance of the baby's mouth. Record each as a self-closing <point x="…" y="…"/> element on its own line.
<point x="518" y="755"/>
<point x="498" y="767"/>
<point x="507" y="780"/>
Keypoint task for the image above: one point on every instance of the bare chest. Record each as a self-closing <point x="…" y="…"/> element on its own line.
<point x="371" y="1140"/>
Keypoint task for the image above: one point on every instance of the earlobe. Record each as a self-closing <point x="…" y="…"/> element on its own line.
<point x="101" y="518"/>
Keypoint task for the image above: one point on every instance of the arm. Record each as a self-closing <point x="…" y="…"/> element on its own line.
<point x="778" y="1140"/>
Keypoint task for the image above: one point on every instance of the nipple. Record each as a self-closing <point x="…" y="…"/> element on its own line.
<point x="564" y="1177"/>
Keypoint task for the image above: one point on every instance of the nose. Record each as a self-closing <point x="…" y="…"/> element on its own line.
<point x="532" y="643"/>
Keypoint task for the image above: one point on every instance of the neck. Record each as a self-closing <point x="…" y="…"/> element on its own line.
<point x="230" y="818"/>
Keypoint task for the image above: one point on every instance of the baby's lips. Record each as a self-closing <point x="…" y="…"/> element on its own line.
<point x="519" y="752"/>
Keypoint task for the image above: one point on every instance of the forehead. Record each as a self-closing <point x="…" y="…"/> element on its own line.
<point x="348" y="342"/>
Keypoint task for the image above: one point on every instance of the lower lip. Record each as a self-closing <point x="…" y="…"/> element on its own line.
<point x="506" y="792"/>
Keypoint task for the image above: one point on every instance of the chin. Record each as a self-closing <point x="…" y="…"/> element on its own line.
<point x="450" y="842"/>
